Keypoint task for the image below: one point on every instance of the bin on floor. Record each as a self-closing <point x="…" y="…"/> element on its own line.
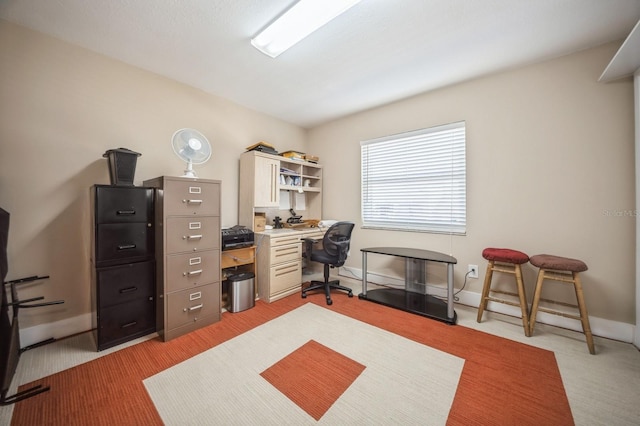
<point x="242" y="291"/>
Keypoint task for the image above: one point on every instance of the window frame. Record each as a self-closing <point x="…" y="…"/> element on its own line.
<point x="391" y="175"/>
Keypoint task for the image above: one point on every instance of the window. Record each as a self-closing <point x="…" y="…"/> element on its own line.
<point x="416" y="181"/>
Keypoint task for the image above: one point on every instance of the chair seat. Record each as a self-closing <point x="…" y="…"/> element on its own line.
<point x="557" y="263"/>
<point x="505" y="255"/>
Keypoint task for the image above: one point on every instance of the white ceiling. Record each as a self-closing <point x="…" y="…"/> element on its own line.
<point x="379" y="51"/>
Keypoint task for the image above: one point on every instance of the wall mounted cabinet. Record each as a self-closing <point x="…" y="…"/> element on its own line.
<point x="266" y="178"/>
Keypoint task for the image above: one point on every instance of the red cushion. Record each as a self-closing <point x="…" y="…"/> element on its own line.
<point x="547" y="261"/>
<point x="505" y="255"/>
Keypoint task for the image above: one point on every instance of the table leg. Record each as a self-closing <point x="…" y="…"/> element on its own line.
<point x="450" y="311"/>
<point x="364" y="273"/>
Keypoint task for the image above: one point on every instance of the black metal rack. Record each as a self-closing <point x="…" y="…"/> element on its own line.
<point x="10" y="339"/>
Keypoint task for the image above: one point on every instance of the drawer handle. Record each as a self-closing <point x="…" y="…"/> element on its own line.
<point x="199" y="271"/>
<point x="285" y="271"/>
<point x="130" y="324"/>
<point x="126" y="246"/>
<point x="192" y="237"/>
<point x="128" y="290"/>
<point x="126" y="212"/>
<point x="192" y="201"/>
<point x="193" y="308"/>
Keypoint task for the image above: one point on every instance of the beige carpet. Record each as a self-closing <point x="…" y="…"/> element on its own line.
<point x="415" y="383"/>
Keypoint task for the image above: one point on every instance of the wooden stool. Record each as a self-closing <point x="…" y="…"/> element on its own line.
<point x="506" y="261"/>
<point x="565" y="270"/>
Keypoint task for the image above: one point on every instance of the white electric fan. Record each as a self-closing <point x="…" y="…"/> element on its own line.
<point x="192" y="147"/>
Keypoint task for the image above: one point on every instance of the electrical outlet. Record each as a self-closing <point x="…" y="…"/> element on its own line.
<point x="473" y="271"/>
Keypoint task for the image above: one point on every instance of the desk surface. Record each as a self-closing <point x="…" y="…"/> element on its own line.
<point x="412" y="253"/>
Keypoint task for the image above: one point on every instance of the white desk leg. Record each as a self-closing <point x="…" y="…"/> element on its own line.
<point x="364" y="273"/>
<point x="450" y="311"/>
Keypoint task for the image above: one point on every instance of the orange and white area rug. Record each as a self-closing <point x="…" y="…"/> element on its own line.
<point x="299" y="361"/>
<point x="310" y="366"/>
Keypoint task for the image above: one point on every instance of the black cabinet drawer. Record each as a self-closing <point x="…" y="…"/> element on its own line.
<point x="123" y="204"/>
<point x="126" y="321"/>
<point x="123" y="242"/>
<point x="123" y="283"/>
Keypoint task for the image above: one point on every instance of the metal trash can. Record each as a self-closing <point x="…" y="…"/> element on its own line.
<point x="242" y="291"/>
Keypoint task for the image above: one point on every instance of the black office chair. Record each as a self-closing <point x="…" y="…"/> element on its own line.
<point x="335" y="247"/>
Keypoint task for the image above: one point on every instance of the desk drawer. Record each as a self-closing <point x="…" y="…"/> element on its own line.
<point x="192" y="269"/>
<point x="283" y="240"/>
<point x="191" y="198"/>
<point x="192" y="234"/>
<point x="287" y="253"/>
<point x="192" y="304"/>
<point x="284" y="277"/>
<point x="237" y="257"/>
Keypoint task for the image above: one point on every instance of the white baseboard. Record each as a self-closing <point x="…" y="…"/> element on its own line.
<point x="56" y="330"/>
<point x="599" y="327"/>
<point x="621" y="331"/>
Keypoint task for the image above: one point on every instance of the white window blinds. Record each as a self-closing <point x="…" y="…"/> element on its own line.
<point x="416" y="181"/>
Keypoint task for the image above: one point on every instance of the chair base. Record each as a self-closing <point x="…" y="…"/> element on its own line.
<point x="326" y="286"/>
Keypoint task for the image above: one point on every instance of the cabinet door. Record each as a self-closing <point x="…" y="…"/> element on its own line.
<point x="267" y="189"/>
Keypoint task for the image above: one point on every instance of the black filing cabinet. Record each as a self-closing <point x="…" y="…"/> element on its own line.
<point x="122" y="264"/>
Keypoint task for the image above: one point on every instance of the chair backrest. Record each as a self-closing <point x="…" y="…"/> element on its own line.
<point x="336" y="242"/>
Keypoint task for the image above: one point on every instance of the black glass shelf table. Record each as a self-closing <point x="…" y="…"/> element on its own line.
<point x="408" y="299"/>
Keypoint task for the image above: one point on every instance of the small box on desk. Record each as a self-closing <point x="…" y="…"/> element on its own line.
<point x="259" y="222"/>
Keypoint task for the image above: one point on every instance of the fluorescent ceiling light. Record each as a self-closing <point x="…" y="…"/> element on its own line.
<point x="302" y="19"/>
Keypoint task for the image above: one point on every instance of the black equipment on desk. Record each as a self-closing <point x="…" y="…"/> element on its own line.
<point x="236" y="237"/>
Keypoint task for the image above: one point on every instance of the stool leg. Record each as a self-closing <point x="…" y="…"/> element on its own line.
<point x="584" y="317"/>
<point x="536" y="301"/>
<point x="523" y="301"/>
<point x="485" y="290"/>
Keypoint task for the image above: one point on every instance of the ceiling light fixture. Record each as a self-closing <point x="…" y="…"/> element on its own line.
<point x="302" y="19"/>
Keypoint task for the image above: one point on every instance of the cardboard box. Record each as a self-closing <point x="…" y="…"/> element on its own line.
<point x="259" y="222"/>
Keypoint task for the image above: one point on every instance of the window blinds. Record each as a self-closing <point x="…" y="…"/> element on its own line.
<point x="416" y="181"/>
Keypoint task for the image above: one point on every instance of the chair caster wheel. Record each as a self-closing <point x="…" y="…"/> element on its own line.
<point x="329" y="302"/>
<point x="304" y="295"/>
<point x="350" y="294"/>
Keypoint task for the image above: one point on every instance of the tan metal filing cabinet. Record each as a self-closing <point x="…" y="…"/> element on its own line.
<point x="188" y="254"/>
<point x="279" y="268"/>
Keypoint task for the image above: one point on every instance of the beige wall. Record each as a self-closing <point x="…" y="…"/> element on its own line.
<point x="550" y="169"/>
<point x="549" y="152"/>
<point x="61" y="108"/>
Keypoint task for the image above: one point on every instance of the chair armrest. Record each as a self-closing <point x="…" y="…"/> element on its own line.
<point x="308" y="246"/>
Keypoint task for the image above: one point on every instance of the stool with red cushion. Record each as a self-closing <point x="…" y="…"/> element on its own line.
<point x="567" y="270"/>
<point x="507" y="261"/>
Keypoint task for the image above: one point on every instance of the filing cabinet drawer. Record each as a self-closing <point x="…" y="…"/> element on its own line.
<point x="124" y="283"/>
<point x="284" y="277"/>
<point x="125" y="321"/>
<point x="192" y="304"/>
<point x="192" y="233"/>
<point x="123" y="205"/>
<point x="192" y="269"/>
<point x="287" y="253"/>
<point x="123" y="242"/>
<point x="191" y="197"/>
